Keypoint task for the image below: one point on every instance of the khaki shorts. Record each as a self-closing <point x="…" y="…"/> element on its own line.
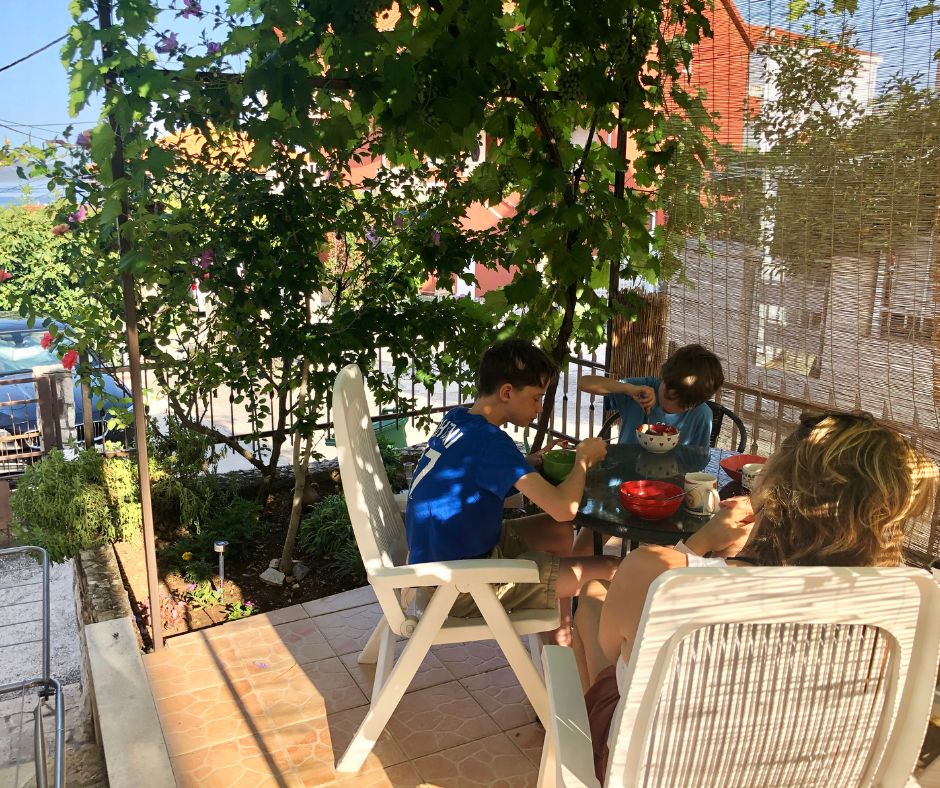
<point x="518" y="596"/>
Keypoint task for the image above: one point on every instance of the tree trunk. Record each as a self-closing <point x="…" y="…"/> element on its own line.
<point x="559" y="354"/>
<point x="301" y="463"/>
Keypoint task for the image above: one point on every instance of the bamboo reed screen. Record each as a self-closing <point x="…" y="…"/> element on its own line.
<point x="817" y="281"/>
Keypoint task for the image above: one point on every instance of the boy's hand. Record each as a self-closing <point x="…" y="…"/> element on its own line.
<point x="726" y="532"/>
<point x="644" y="396"/>
<point x="536" y="458"/>
<point x="591" y="450"/>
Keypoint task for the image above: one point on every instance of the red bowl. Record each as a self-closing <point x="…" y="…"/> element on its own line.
<point x="733" y="465"/>
<point x="651" y="500"/>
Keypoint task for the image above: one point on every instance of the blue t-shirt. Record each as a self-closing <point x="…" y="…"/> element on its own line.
<point x="695" y="426"/>
<point x="455" y="505"/>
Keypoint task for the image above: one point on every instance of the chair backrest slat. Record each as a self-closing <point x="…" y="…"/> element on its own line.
<point x="766" y="677"/>
<point x="376" y="520"/>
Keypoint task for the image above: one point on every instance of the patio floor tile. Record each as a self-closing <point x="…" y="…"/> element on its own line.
<point x="529" y="739"/>
<point x="245" y="762"/>
<point x="331" y="604"/>
<point x="430" y="672"/>
<point x="492" y="762"/>
<point x="437" y="718"/>
<point x="203" y="718"/>
<point x="274" y="700"/>
<point x="401" y="776"/>
<point x="187" y="668"/>
<point x="500" y="695"/>
<point x="468" y="659"/>
<point x="304" y="641"/>
<point x="304" y="692"/>
<point x="348" y="630"/>
<point x="314" y="746"/>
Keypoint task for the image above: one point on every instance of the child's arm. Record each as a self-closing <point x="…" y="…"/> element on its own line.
<point x="597" y="384"/>
<point x="562" y="502"/>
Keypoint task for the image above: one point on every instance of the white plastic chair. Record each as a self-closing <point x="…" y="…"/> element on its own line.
<point x="761" y="676"/>
<point x="380" y="534"/>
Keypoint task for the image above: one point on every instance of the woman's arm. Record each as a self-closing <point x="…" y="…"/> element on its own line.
<point x="620" y="616"/>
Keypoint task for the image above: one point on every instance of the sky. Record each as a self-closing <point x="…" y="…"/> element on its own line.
<point x="34" y="94"/>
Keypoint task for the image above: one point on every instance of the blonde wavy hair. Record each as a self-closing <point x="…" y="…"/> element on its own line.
<point x="840" y="492"/>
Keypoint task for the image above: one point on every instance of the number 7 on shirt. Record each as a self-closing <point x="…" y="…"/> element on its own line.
<point x="433" y="456"/>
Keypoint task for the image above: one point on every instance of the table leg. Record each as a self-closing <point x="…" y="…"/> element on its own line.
<point x="598" y="543"/>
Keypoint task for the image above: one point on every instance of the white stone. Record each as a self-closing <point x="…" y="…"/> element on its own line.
<point x="273" y="576"/>
<point x="300" y="571"/>
<point x="274" y="562"/>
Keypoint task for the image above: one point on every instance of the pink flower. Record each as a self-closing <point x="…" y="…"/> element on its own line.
<point x="436" y="238"/>
<point x="399" y="221"/>
<point x="213" y="47"/>
<point x="69" y="359"/>
<point x="249" y="603"/>
<point x="5" y="275"/>
<point x="83" y="140"/>
<point x="78" y="216"/>
<point x="60" y="229"/>
<point x="206" y="258"/>
<point x="167" y="44"/>
<point x="373" y="237"/>
<point x="46" y="341"/>
<point x="192" y="8"/>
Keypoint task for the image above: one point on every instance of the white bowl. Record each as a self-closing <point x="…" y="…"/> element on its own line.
<point x="658" y="444"/>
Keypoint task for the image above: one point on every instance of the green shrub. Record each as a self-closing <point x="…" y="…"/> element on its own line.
<point x="326" y="535"/>
<point x="184" y="487"/>
<point x="391" y="459"/>
<point x="69" y="505"/>
<point x="238" y="523"/>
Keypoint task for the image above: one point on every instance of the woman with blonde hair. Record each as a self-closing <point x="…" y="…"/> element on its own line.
<point x="839" y="492"/>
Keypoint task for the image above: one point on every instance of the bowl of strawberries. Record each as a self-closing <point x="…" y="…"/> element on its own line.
<point x="657" y="438"/>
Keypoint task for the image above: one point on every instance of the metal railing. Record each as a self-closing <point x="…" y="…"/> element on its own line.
<point x="18" y="624"/>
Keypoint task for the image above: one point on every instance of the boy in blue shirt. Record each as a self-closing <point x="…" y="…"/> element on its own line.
<point x="470" y="466"/>
<point x="689" y="378"/>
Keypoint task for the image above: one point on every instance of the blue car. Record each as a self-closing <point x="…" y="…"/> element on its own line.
<point x="20" y="351"/>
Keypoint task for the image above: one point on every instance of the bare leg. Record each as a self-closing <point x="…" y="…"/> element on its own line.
<point x="591" y="660"/>
<point x="573" y="573"/>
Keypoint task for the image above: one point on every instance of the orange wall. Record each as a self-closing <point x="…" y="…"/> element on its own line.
<point x="720" y="66"/>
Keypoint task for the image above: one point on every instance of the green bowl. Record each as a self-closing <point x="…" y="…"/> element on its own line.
<point x="557" y="464"/>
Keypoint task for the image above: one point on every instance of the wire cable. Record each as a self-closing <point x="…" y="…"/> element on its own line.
<point x="36" y="52"/>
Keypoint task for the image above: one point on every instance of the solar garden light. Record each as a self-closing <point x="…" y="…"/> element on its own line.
<point x="220" y="549"/>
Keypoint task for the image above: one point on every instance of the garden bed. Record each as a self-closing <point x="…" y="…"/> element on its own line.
<point x="182" y="613"/>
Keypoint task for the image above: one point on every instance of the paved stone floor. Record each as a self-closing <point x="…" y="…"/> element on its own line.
<point x="272" y="700"/>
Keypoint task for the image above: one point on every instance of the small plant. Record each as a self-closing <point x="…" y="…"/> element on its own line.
<point x="172" y="610"/>
<point x="237" y="610"/>
<point x="203" y="595"/>
<point x="327" y="535"/>
<point x="197" y="571"/>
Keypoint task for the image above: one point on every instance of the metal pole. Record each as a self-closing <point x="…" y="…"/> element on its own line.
<point x="133" y="352"/>
<point x="87" y="413"/>
<point x="613" y="286"/>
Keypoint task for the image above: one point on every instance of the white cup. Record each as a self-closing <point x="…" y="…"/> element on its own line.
<point x="701" y="493"/>
<point x="749" y="474"/>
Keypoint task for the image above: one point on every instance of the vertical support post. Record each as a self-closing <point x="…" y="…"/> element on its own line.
<point x="88" y="416"/>
<point x="620" y="176"/>
<point x="133" y="352"/>
<point x="48" y="412"/>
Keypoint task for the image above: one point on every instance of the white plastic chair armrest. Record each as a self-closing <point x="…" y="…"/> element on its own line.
<point x="568" y="720"/>
<point x="470" y="570"/>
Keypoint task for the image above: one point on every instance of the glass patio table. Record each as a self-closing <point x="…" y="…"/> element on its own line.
<point x="602" y="512"/>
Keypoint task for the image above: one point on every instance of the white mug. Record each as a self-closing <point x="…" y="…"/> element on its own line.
<point x="749" y="474"/>
<point x="701" y="493"/>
